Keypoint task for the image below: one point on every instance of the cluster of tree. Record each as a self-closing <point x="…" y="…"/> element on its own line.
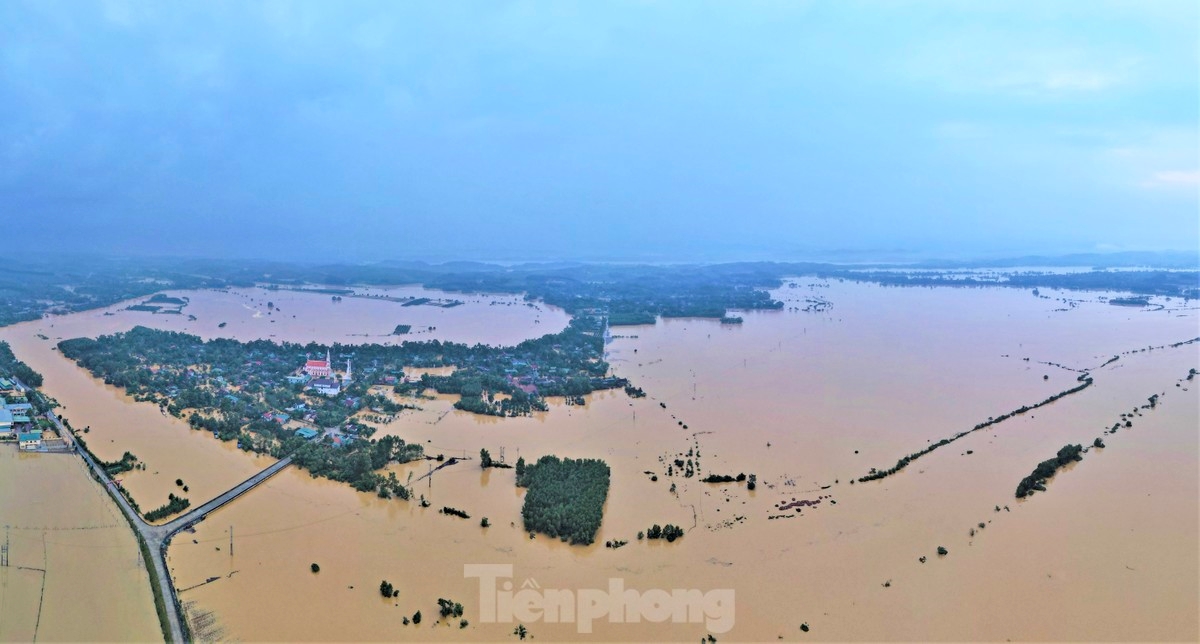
<point x="634" y="392"/>
<point x="226" y="428"/>
<point x="486" y="461"/>
<point x="631" y="294"/>
<point x="1084" y="379"/>
<point x="127" y="462"/>
<point x="449" y="608"/>
<point x="162" y="299"/>
<point x="455" y="512"/>
<point x="686" y="468"/>
<point x="723" y="478"/>
<point x="519" y="404"/>
<point x="387" y="590"/>
<point x="175" y="505"/>
<point x="568" y="363"/>
<point x="631" y="318"/>
<point x="391" y="486"/>
<point x="11" y="367"/>
<point x="384" y="405"/>
<point x="565" y="497"/>
<point x="1135" y="301"/>
<point x="356" y="463"/>
<point x="1047" y="468"/>
<point x="669" y="532"/>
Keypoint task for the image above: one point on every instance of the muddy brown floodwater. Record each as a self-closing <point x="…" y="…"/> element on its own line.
<point x="806" y="401"/>
<point x="75" y="572"/>
<point x="95" y="585"/>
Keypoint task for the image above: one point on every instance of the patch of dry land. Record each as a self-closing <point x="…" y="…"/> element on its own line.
<point x="807" y="401"/>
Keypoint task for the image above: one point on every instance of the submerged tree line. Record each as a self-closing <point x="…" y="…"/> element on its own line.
<point x="1085" y="381"/>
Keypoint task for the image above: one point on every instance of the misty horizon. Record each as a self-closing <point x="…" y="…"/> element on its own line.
<point x="622" y="132"/>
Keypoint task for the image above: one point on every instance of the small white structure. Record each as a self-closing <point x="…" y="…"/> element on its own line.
<point x="6" y="423"/>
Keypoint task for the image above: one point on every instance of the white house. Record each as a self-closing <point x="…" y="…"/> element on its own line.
<point x="325" y="386"/>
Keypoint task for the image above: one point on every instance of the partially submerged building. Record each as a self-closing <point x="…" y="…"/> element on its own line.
<point x="30" y="441"/>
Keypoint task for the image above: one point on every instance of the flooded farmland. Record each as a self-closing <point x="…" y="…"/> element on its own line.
<point x="806" y="400"/>
<point x="74" y="570"/>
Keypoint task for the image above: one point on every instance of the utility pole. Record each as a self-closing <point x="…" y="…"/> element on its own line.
<point x="4" y="550"/>
<point x="231" y="541"/>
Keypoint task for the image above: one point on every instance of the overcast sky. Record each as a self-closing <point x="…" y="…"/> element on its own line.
<point x="599" y="130"/>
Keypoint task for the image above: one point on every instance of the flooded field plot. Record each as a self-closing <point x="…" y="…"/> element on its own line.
<point x="74" y="570"/>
